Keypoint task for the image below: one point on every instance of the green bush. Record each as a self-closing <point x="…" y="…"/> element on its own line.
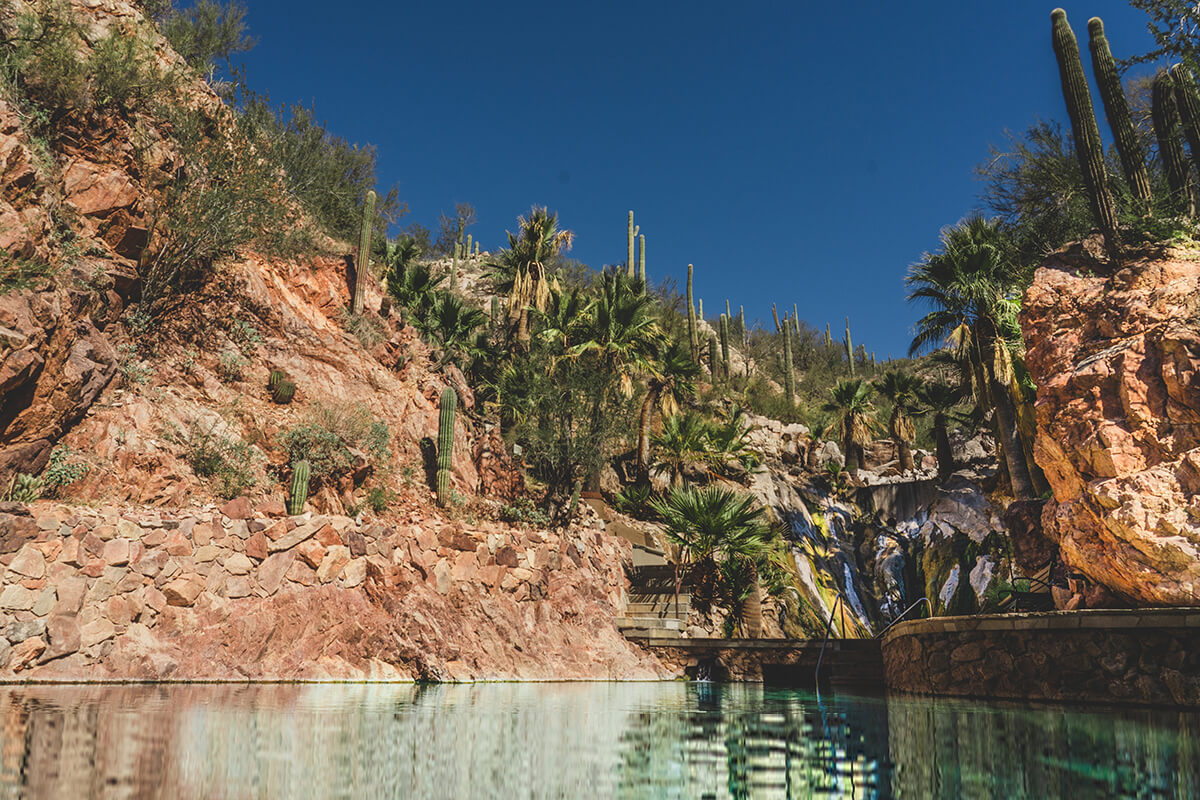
<point x="231" y="366"/>
<point x="232" y="464"/>
<point x="331" y="437"/>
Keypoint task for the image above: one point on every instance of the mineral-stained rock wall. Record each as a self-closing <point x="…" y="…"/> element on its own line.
<point x="1118" y="415"/>
<point x="242" y="593"/>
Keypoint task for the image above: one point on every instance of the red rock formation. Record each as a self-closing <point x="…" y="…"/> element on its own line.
<point x="1118" y="415"/>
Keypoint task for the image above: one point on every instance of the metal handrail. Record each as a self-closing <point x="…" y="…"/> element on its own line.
<point x="825" y="641"/>
<point x="924" y="600"/>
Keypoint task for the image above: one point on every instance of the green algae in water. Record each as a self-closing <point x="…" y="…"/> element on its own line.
<point x="586" y="740"/>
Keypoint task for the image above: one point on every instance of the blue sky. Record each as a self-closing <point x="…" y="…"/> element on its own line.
<point x="794" y="152"/>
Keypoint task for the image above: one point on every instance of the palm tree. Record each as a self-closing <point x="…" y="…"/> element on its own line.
<point x="623" y="332"/>
<point x="671" y="379"/>
<point x="901" y="388"/>
<point x="411" y="285"/>
<point x="941" y="398"/>
<point x="715" y="526"/>
<point x="973" y="285"/>
<point x="453" y="326"/>
<point x="524" y="269"/>
<point x="684" y="439"/>
<point x="851" y="399"/>
<point x="730" y="439"/>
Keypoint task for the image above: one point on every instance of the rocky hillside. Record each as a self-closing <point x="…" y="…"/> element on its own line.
<point x="1116" y="360"/>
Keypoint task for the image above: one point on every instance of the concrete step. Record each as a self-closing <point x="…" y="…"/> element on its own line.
<point x="659" y="608"/>
<point x="655" y="623"/>
<point x="652" y="634"/>
<point x="639" y="596"/>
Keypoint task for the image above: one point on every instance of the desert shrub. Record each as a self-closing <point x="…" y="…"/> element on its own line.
<point x="524" y="511"/>
<point x="18" y="273"/>
<point x="245" y="336"/>
<point x="367" y="329"/>
<point x="379" y="498"/>
<point x="233" y="465"/>
<point x="206" y="33"/>
<point x="231" y="366"/>
<point x="327" y="175"/>
<point x="130" y="368"/>
<point x="223" y="197"/>
<point x="332" y="437"/>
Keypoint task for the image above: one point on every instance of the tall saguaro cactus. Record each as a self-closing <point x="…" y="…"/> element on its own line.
<point x="1116" y="108"/>
<point x="849" y="348"/>
<point x="796" y="318"/>
<point x="1189" y="107"/>
<point x="1165" y="113"/>
<point x="712" y="357"/>
<point x="724" y="329"/>
<point x="362" y="261"/>
<point x="789" y="372"/>
<point x="642" y="257"/>
<point x="693" y="336"/>
<point x="1088" y="147"/>
<point x="445" y="444"/>
<point x="629" y="261"/>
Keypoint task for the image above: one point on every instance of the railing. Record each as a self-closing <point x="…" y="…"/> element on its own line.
<point x="828" y="625"/>
<point x="900" y="618"/>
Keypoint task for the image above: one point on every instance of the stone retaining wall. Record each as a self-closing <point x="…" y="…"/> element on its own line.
<point x="1126" y="656"/>
<point x="247" y="592"/>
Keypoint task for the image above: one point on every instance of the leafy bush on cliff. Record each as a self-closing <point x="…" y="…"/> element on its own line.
<point x="333" y="439"/>
<point x="233" y="465"/>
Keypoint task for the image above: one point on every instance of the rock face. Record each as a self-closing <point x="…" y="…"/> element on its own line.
<point x="1118" y="419"/>
<point x="115" y="594"/>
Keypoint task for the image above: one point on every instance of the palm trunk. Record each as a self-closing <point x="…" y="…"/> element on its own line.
<point x="643" y="450"/>
<point x="852" y="461"/>
<point x="945" y="453"/>
<point x="752" y="609"/>
<point x="906" y="457"/>
<point x="1008" y="436"/>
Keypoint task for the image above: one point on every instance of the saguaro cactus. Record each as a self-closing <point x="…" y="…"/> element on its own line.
<point x="642" y="256"/>
<point x="796" y="318"/>
<point x="693" y="336"/>
<point x="828" y="336"/>
<point x="629" y="260"/>
<point x="728" y="313"/>
<point x="445" y="445"/>
<point x="1088" y="147"/>
<point x="468" y="253"/>
<point x="775" y="316"/>
<point x="712" y="356"/>
<point x="299" y="494"/>
<point x="724" y="328"/>
<point x="1165" y="114"/>
<point x="849" y="348"/>
<point x="789" y="372"/>
<point x="454" y="270"/>
<point x="362" y="260"/>
<point x="1116" y="108"/>
<point x="1189" y="107"/>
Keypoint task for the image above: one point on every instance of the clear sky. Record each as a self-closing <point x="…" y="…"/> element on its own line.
<point x="794" y="152"/>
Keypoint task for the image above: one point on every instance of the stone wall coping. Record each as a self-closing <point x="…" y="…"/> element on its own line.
<point x="750" y="644"/>
<point x="1188" y="617"/>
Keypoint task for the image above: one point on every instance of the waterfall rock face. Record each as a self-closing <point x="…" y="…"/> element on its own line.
<point x="1116" y="361"/>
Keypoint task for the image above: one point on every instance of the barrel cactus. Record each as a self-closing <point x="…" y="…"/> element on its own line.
<point x="300" y="475"/>
<point x="281" y="387"/>
<point x="1088" y="147"/>
<point x="445" y="445"/>
<point x="362" y="261"/>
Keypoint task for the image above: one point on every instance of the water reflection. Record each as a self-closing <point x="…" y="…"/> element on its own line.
<point x="671" y="740"/>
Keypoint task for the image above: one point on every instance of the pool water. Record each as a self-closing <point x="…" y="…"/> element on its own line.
<point x="568" y="740"/>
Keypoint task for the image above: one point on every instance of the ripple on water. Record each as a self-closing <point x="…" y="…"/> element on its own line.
<point x="566" y="740"/>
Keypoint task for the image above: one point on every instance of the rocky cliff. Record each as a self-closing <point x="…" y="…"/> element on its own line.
<point x="1115" y="360"/>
